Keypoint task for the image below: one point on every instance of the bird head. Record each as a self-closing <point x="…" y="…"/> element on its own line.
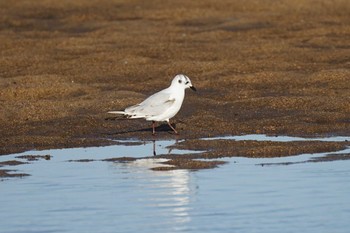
<point x="183" y="81"/>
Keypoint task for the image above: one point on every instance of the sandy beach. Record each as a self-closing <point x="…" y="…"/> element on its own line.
<point x="260" y="67"/>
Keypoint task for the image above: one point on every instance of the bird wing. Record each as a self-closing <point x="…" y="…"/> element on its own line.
<point x="154" y="105"/>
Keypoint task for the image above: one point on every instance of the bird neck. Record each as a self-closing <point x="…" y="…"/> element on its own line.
<point x="177" y="89"/>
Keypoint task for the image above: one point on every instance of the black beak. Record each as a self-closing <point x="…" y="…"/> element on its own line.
<point x="193" y="88"/>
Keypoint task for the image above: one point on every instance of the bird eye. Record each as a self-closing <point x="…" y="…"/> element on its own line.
<point x="180" y="81"/>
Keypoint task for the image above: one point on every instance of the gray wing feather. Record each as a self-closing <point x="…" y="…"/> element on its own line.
<point x="154" y="105"/>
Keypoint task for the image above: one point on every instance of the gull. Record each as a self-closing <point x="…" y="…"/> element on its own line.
<point x="162" y="105"/>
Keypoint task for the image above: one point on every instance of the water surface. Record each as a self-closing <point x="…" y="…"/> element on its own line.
<point x="239" y="196"/>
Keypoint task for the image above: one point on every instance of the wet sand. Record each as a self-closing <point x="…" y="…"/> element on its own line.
<point x="266" y="67"/>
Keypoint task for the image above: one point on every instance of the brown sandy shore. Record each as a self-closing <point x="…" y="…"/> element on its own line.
<point x="267" y="67"/>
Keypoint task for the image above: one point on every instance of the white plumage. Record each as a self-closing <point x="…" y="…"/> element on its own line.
<point x="163" y="105"/>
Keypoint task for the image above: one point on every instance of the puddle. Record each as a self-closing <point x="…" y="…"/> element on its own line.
<point x="264" y="137"/>
<point x="143" y="152"/>
<point x="243" y="195"/>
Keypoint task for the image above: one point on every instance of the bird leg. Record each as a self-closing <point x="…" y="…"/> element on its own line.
<point x="172" y="127"/>
<point x="153" y="128"/>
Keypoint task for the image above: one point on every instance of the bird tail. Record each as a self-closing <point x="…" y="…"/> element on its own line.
<point x="117" y="112"/>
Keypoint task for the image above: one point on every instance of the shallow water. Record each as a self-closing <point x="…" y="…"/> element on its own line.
<point x="263" y="137"/>
<point x="239" y="196"/>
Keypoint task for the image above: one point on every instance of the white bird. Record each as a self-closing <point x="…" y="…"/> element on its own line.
<point x="162" y="105"/>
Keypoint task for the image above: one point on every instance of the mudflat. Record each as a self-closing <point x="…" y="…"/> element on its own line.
<point x="266" y="67"/>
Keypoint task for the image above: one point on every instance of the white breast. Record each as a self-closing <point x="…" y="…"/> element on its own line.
<point x="178" y="96"/>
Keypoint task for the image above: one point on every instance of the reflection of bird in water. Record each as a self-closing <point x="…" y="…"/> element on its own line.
<point x="162" y="105"/>
<point x="169" y="193"/>
<point x="154" y="148"/>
